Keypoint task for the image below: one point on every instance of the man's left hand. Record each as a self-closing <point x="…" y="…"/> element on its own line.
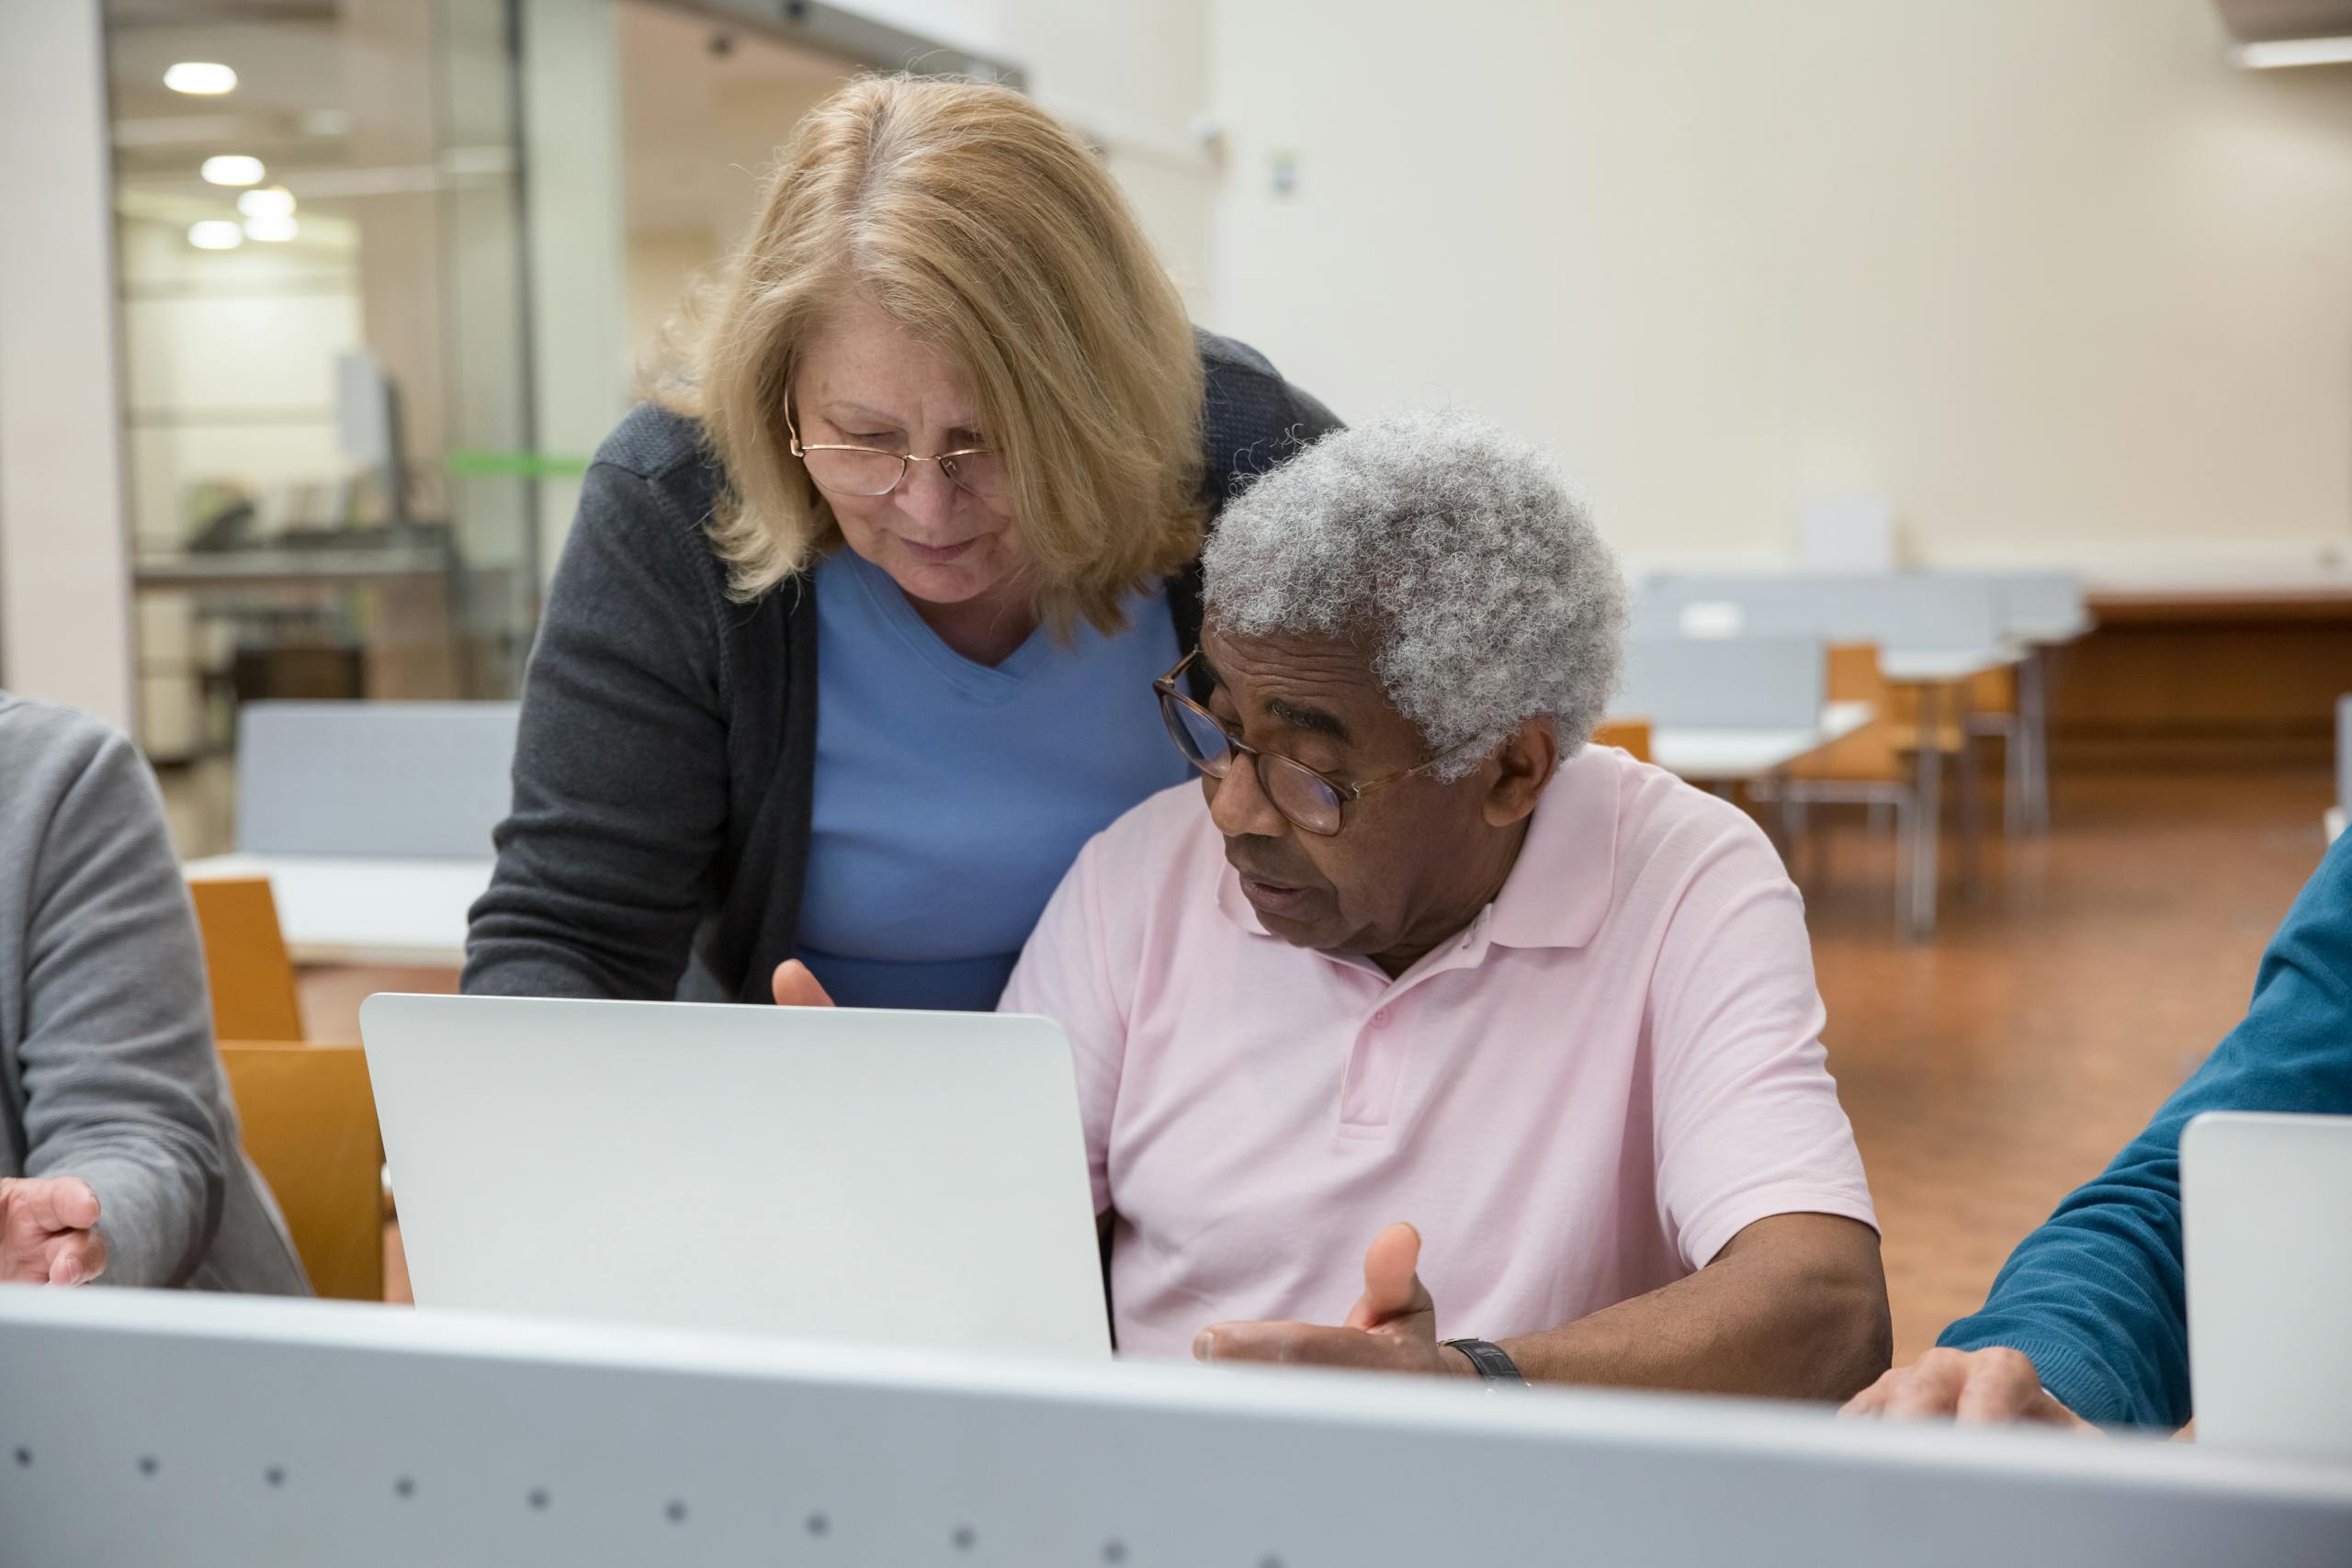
<point x="1392" y="1327"/>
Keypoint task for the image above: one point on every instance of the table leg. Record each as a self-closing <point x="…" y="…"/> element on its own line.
<point x="1926" y="817"/>
<point x="1971" y="796"/>
<point x="2034" y="733"/>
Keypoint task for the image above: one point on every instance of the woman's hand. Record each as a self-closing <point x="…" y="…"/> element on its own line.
<point x="796" y="988"/>
<point x="48" y="1232"/>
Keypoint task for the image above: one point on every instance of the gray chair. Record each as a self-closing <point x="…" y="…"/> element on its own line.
<point x="1897" y="611"/>
<point x="2039" y="606"/>
<point x="1749" y="683"/>
<point x="421" y="779"/>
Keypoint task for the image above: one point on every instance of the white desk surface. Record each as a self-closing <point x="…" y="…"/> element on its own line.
<point x="2334" y="823"/>
<point x="338" y="909"/>
<point x="2051" y="634"/>
<point x="1729" y="754"/>
<point x="1936" y="665"/>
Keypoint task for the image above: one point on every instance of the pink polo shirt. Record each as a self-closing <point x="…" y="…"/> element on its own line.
<point x="1579" y="1098"/>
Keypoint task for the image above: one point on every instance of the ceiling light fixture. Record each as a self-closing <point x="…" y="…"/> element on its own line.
<point x="233" y="169"/>
<point x="200" y="79"/>
<point x="273" y="227"/>
<point x="2277" y="53"/>
<point x="274" y="201"/>
<point x="215" y="235"/>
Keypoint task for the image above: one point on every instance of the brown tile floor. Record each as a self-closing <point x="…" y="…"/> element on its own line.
<point x="1988" y="1071"/>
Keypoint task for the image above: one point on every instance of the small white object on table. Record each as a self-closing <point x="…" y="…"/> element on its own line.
<point x="360" y="909"/>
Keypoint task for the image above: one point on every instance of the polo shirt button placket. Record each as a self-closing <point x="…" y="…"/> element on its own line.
<point x="1368" y="1097"/>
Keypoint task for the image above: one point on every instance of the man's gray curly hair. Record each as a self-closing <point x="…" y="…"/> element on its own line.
<point x="1459" y="558"/>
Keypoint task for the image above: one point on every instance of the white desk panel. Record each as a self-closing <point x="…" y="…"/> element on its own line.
<point x="206" y="1431"/>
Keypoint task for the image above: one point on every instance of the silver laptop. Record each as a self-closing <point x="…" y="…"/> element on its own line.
<point x="906" y="1178"/>
<point x="2267" y="1211"/>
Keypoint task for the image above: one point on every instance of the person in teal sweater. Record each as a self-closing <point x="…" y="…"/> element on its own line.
<point x="2087" y="1323"/>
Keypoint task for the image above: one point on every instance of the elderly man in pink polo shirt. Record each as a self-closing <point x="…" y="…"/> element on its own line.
<point x="1411" y="952"/>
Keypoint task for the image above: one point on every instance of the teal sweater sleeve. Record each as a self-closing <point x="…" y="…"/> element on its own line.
<point x="2095" y="1298"/>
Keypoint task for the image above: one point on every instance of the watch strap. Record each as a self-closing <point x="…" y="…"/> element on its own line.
<point x="1493" y="1362"/>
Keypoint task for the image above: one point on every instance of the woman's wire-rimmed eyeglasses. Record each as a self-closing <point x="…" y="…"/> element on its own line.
<point x="1309" y="800"/>
<point x="869" y="470"/>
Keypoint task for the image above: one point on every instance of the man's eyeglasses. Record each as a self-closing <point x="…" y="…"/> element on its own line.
<point x="1307" y="800"/>
<point x="869" y="470"/>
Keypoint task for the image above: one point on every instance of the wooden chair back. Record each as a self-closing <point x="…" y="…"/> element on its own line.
<point x="1873" y="753"/>
<point x="308" y="1116"/>
<point x="1632" y="735"/>
<point x="245" y="964"/>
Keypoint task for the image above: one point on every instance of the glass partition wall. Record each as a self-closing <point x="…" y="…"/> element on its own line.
<point x="388" y="268"/>
<point x="322" y="338"/>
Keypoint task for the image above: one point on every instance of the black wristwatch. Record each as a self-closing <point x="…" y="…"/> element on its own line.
<point x="1495" y="1368"/>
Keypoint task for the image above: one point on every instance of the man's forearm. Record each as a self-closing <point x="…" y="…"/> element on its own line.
<point x="1794" y="1308"/>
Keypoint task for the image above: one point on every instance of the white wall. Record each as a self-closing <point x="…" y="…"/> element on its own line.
<point x="64" y="577"/>
<point x="2048" y="273"/>
<point x="1131" y="74"/>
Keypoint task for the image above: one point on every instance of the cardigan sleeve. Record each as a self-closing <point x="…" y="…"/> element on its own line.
<point x="607" y="860"/>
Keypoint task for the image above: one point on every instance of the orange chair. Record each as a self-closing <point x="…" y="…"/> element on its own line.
<point x="1995" y="708"/>
<point x="307" y="1114"/>
<point x="253" y="995"/>
<point x="1871" y="767"/>
<point x="1630" y="734"/>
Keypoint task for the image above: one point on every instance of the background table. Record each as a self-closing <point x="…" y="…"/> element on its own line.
<point x="1708" y="755"/>
<point x="355" y="909"/>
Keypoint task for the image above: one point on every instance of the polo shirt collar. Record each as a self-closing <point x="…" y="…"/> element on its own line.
<point x="1558" y="892"/>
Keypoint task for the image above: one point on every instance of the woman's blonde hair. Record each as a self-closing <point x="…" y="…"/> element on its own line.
<point x="973" y="219"/>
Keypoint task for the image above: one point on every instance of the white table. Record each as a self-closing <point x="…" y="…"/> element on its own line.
<point x="1735" y="756"/>
<point x="339" y="909"/>
<point x="1944" y="666"/>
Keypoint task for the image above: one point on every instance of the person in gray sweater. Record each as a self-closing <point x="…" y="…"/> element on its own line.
<point x="119" y="1152"/>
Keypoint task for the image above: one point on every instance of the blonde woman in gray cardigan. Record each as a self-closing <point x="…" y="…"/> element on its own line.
<point x="118" y="1156"/>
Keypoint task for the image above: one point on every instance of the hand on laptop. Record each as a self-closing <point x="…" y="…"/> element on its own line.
<point x="1392" y="1327"/>
<point x="48" y="1232"/>
<point x="1974" y="1387"/>
<point x="796" y="988"/>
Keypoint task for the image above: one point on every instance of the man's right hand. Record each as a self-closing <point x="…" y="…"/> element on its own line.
<point x="1987" y="1388"/>
<point x="48" y="1232"/>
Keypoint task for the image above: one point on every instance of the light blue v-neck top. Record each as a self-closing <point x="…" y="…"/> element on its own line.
<point x="951" y="797"/>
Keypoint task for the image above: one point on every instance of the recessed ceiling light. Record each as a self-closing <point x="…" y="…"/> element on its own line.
<point x="2295" y="51"/>
<point x="233" y="169"/>
<point x="200" y="78"/>
<point x="274" y="201"/>
<point x="273" y="227"/>
<point x="215" y="235"/>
